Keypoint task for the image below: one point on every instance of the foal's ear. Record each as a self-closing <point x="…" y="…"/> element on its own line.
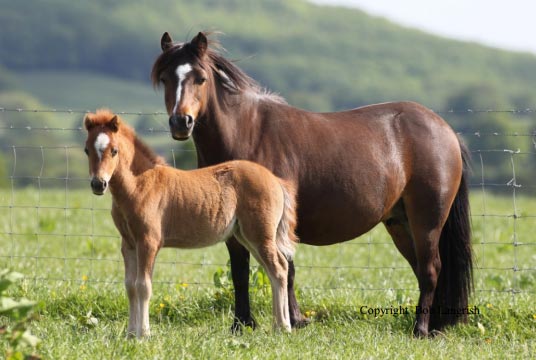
<point x="113" y="125"/>
<point x="88" y="123"/>
<point x="166" y="42"/>
<point x="200" y="45"/>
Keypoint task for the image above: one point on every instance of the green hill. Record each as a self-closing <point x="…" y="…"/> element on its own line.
<point x="84" y="55"/>
<point x="320" y="58"/>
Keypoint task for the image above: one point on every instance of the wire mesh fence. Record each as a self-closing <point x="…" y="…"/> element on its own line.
<point x="55" y="230"/>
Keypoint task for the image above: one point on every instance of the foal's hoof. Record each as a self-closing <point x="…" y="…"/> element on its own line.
<point x="300" y="323"/>
<point x="283" y="329"/>
<point x="238" y="326"/>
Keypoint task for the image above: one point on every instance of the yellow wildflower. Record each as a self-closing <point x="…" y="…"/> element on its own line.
<point x="84" y="278"/>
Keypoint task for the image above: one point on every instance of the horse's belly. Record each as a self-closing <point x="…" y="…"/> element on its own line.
<point x="349" y="201"/>
<point x="331" y="221"/>
<point x="318" y="232"/>
<point x="200" y="236"/>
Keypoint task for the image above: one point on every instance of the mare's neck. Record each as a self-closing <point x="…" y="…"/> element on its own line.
<point x="222" y="129"/>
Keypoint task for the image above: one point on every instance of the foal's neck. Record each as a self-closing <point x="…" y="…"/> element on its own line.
<point x="135" y="160"/>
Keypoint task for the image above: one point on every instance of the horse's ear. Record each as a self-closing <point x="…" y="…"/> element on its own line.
<point x="200" y="44"/>
<point x="113" y="125"/>
<point x="88" y="123"/>
<point x="166" y="42"/>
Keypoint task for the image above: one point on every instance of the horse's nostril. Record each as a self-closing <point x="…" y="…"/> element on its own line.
<point x="98" y="184"/>
<point x="189" y="121"/>
<point x="173" y="120"/>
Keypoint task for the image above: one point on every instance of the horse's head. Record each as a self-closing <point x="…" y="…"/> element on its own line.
<point x="182" y="70"/>
<point x="101" y="148"/>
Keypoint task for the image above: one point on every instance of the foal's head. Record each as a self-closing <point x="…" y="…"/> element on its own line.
<point x="183" y="72"/>
<point x="102" y="148"/>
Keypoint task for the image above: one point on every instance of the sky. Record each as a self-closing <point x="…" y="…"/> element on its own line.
<point x="505" y="24"/>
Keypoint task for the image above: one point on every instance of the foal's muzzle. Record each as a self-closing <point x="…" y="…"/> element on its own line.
<point x="181" y="126"/>
<point x="98" y="186"/>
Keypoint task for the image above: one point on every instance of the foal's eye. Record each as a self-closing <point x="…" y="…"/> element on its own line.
<point x="86" y="151"/>
<point x="200" y="80"/>
<point x="114" y="151"/>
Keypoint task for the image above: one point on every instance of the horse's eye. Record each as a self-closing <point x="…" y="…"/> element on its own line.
<point x="200" y="80"/>
<point x="114" y="151"/>
<point x="163" y="81"/>
<point x="86" y="151"/>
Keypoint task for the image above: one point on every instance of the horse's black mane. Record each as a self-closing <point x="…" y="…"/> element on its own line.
<point x="230" y="76"/>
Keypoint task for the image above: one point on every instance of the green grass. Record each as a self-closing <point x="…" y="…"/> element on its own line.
<point x="66" y="245"/>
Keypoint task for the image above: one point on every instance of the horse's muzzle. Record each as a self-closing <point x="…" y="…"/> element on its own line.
<point x="181" y="126"/>
<point x="98" y="186"/>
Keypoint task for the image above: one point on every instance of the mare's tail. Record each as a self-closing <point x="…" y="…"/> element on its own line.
<point x="286" y="230"/>
<point x="455" y="281"/>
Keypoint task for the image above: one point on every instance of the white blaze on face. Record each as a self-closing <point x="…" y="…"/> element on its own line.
<point x="101" y="143"/>
<point x="182" y="71"/>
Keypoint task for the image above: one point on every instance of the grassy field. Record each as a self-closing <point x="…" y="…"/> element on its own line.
<point x="67" y="247"/>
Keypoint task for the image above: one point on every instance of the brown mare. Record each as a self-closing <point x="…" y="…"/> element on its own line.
<point x="395" y="163"/>
<point x="155" y="205"/>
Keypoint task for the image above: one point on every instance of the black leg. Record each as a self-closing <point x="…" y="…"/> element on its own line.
<point x="240" y="273"/>
<point x="297" y="320"/>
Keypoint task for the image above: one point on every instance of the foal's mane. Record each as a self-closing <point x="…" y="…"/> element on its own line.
<point x="103" y="118"/>
<point x="233" y="79"/>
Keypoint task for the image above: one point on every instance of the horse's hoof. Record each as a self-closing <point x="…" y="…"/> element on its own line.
<point x="420" y="333"/>
<point x="237" y="327"/>
<point x="435" y="333"/>
<point x="300" y="323"/>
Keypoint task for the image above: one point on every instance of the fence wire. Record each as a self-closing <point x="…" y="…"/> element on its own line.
<point x="55" y="230"/>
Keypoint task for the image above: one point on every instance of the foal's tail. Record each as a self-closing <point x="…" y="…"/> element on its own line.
<point x="455" y="281"/>
<point x="286" y="230"/>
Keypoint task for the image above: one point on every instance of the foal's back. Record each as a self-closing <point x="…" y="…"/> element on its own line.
<point x="204" y="206"/>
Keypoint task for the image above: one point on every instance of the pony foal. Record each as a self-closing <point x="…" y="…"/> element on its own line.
<point x="155" y="205"/>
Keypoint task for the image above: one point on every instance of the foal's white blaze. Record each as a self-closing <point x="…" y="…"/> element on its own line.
<point x="182" y="71"/>
<point x="101" y="143"/>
